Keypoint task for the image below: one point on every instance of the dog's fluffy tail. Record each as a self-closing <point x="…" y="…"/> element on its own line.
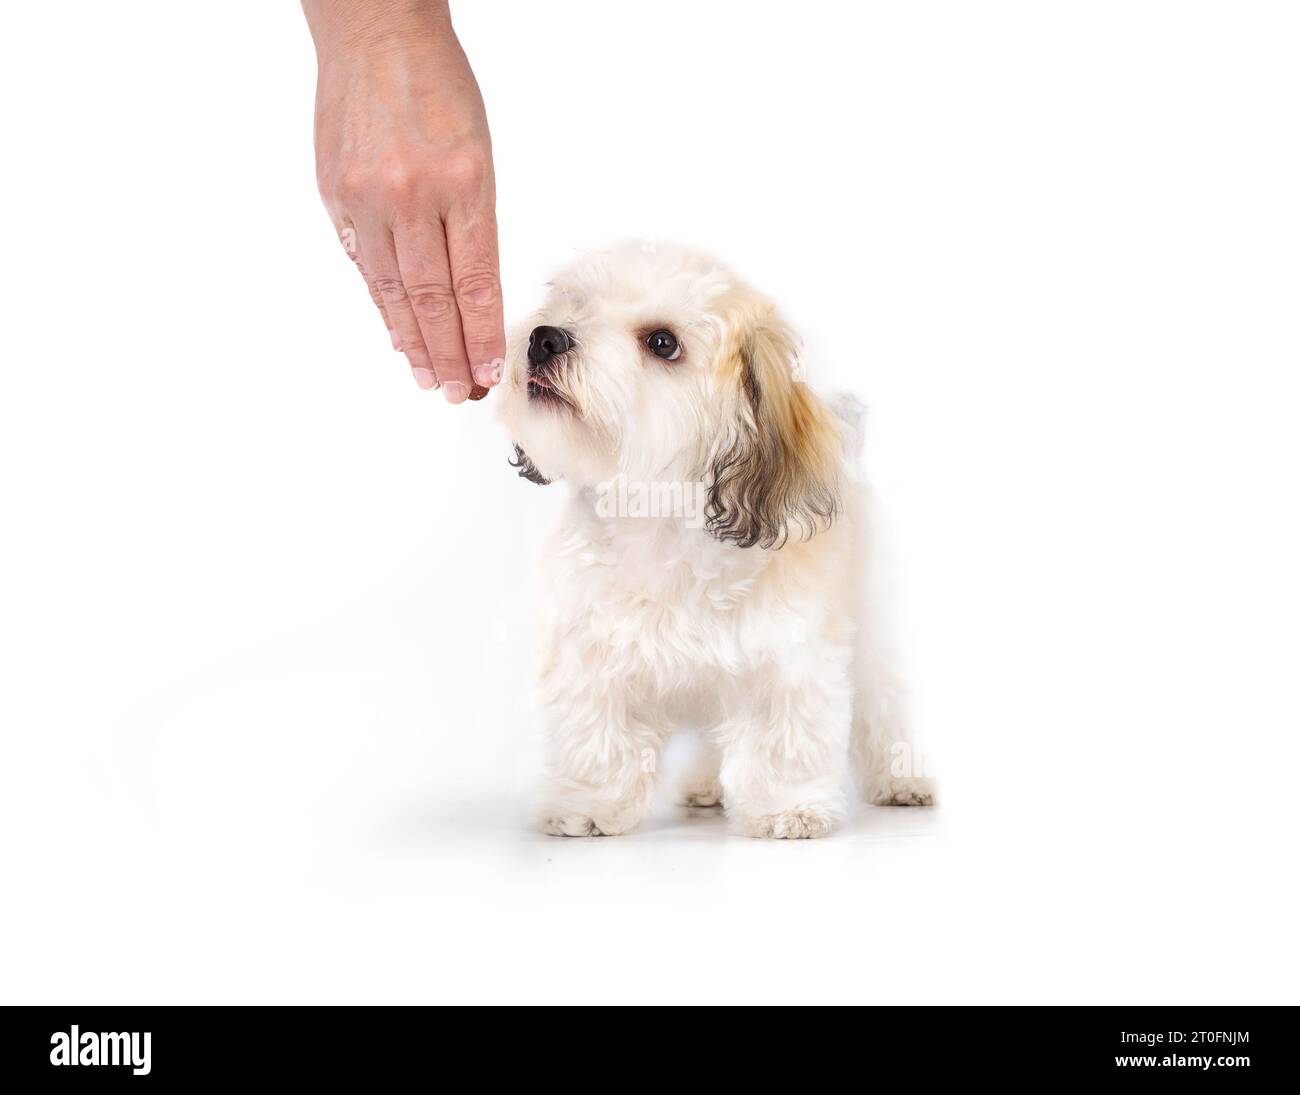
<point x="852" y="413"/>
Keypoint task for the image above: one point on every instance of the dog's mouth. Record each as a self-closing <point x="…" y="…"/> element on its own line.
<point x="541" y="390"/>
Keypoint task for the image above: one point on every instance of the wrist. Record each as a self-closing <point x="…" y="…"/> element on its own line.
<point x="359" y="27"/>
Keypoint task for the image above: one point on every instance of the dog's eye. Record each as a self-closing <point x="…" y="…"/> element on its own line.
<point x="663" y="343"/>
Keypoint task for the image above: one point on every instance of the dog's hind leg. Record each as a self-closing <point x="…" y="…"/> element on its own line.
<point x="887" y="769"/>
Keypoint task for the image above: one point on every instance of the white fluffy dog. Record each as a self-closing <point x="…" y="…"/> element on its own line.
<point x="714" y="567"/>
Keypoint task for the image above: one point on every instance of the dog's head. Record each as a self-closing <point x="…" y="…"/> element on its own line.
<point x="661" y="366"/>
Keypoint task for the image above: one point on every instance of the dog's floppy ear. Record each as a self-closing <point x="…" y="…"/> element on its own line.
<point x="776" y="468"/>
<point x="527" y="469"/>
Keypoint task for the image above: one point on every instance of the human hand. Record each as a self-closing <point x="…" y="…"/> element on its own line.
<point x="404" y="164"/>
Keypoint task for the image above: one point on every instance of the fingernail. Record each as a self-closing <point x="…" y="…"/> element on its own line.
<point x="397" y="342"/>
<point x="489" y="375"/>
<point x="477" y="392"/>
<point x="425" y="378"/>
<point x="455" y="391"/>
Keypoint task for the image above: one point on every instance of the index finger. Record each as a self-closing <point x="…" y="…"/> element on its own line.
<point x="476" y="277"/>
<point x="426" y="276"/>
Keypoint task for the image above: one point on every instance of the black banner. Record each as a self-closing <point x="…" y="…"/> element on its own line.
<point x="162" y="1045"/>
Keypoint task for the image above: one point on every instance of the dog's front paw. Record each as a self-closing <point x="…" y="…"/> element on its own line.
<point x="904" y="791"/>
<point x="568" y="825"/>
<point x="565" y="821"/>
<point x="800" y="823"/>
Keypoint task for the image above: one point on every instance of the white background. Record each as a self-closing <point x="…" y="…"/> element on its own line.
<point x="266" y="609"/>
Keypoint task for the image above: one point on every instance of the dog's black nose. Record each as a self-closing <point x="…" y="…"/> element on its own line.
<point x="547" y="342"/>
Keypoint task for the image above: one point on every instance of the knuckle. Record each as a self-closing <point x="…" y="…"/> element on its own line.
<point x="432" y="301"/>
<point x="478" y="288"/>
<point x="394" y="183"/>
<point x="464" y="172"/>
<point x="351" y="185"/>
<point x="398" y="183"/>
<point x="388" y="287"/>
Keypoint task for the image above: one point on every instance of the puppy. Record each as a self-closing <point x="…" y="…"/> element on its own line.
<point x="714" y="567"/>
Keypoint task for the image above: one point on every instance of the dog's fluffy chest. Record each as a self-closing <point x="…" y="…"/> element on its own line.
<point x="656" y="599"/>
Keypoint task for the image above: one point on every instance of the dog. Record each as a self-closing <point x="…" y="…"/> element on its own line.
<point x="715" y="566"/>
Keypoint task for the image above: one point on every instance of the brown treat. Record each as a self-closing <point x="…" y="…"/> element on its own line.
<point x="477" y="392"/>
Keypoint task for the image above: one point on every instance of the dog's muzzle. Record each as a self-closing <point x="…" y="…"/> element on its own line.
<point x="545" y="346"/>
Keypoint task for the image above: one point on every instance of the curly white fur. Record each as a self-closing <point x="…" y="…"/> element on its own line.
<point x="777" y="650"/>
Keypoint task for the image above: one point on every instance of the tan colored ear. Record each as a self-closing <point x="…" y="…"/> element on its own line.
<point x="778" y="468"/>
